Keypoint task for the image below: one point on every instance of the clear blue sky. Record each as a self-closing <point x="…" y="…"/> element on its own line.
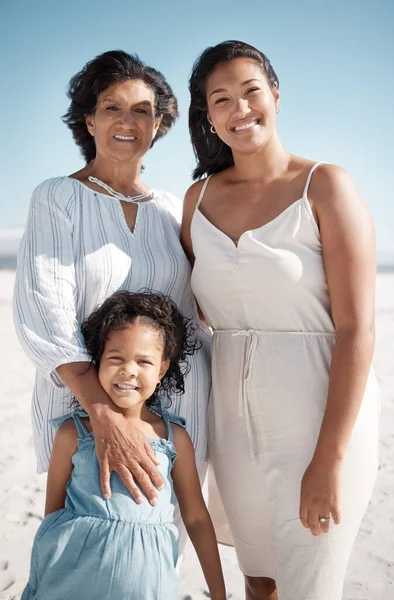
<point x="334" y="61"/>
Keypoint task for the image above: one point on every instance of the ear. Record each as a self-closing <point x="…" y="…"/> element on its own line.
<point x="209" y="118"/>
<point x="164" y="368"/>
<point x="156" y="128"/>
<point x="89" y="120"/>
<point x="276" y="95"/>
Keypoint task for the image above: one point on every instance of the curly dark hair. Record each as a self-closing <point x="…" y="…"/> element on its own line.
<point x="97" y="75"/>
<point x="211" y="153"/>
<point x="153" y="310"/>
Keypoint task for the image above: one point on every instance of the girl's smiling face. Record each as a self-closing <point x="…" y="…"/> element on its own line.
<point x="132" y="364"/>
<point x="241" y="104"/>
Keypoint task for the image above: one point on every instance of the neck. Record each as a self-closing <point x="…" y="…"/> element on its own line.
<point x="266" y="164"/>
<point x="139" y="412"/>
<point x="120" y="176"/>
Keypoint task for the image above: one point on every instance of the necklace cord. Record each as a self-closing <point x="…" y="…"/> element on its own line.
<point x="118" y="195"/>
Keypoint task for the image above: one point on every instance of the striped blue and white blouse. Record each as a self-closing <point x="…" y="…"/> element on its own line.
<point x="77" y="250"/>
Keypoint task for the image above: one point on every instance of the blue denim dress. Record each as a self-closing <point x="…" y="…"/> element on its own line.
<point x="111" y="549"/>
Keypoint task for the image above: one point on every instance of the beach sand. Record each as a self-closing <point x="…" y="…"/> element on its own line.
<point x="370" y="574"/>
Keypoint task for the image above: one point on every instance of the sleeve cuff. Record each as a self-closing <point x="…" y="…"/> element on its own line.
<point x="54" y="376"/>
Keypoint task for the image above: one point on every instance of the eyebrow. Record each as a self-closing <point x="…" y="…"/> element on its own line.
<point x="109" y="99"/>
<point x="140" y="354"/>
<point x="220" y="90"/>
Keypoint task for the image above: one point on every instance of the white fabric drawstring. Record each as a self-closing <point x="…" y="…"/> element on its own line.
<point x="145" y="196"/>
<point x="250" y="346"/>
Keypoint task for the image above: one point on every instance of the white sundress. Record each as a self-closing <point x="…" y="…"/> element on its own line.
<point x="267" y="301"/>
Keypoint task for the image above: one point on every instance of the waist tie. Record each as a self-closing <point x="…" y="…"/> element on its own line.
<point x="250" y="345"/>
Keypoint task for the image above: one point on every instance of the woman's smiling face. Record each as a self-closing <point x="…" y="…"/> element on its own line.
<point x="124" y="124"/>
<point x="241" y="104"/>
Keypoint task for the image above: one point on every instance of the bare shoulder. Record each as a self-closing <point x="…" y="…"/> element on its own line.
<point x="67" y="430"/>
<point x="332" y="191"/>
<point x="182" y="441"/>
<point x="330" y="180"/>
<point x="66" y="438"/>
<point x="193" y="193"/>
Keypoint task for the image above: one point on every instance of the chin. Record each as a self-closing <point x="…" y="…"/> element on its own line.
<point x="251" y="148"/>
<point x="125" y="402"/>
<point x="247" y="146"/>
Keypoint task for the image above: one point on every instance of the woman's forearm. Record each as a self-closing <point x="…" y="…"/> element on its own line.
<point x="82" y="380"/>
<point x="350" y="365"/>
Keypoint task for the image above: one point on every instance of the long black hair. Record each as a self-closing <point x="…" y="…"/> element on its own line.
<point x="96" y="76"/>
<point x="156" y="311"/>
<point x="212" y="154"/>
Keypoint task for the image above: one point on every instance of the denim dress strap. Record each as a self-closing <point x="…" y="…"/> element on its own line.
<point x="76" y="415"/>
<point x="170" y="418"/>
<point x="158" y="408"/>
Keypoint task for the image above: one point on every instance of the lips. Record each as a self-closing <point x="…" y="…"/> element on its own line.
<point x="245" y="126"/>
<point x="125" y="387"/>
<point x="125" y="138"/>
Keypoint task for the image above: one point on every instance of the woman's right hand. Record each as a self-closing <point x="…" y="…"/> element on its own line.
<point x="119" y="446"/>
<point x="124" y="449"/>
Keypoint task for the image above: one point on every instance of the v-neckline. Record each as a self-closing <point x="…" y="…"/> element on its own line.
<point x="119" y="204"/>
<point x="236" y="244"/>
<point x="136" y="219"/>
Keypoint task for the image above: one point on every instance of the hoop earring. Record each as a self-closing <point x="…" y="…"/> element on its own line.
<point x="213" y="130"/>
<point x="277" y="109"/>
<point x="158" y="385"/>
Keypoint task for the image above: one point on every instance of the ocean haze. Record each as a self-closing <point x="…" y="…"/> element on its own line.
<point x="10" y="240"/>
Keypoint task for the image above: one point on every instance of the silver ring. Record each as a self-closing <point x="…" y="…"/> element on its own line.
<point x="324" y="519"/>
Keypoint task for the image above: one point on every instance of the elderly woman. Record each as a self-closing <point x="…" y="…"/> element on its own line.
<point x="94" y="232"/>
<point x="284" y="271"/>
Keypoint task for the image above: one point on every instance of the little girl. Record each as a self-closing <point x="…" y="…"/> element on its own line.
<point x="91" y="548"/>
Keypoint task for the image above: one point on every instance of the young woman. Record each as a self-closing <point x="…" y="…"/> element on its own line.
<point x="284" y="272"/>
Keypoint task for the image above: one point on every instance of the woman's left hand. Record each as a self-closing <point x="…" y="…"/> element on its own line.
<point x="320" y="490"/>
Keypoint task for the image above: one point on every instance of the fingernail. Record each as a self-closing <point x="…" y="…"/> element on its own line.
<point x="161" y="487"/>
<point x="139" y="500"/>
<point x="154" y="502"/>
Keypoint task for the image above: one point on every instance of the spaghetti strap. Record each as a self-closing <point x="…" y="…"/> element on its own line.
<point x="158" y="408"/>
<point x="170" y="432"/>
<point x="204" y="187"/>
<point x="170" y="418"/>
<point x="82" y="431"/>
<point x="306" y="188"/>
